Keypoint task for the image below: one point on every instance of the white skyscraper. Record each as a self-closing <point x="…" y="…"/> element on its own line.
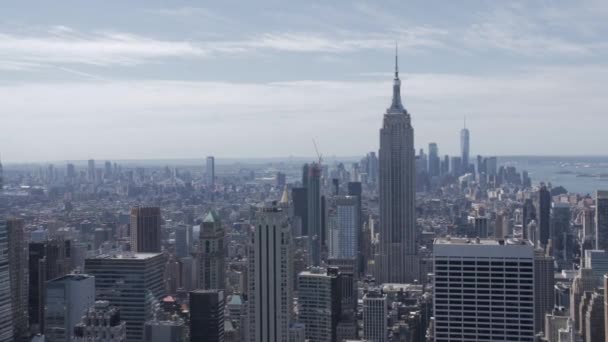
<point x="398" y="248"/>
<point x="375" y="316"/>
<point x="270" y="277"/>
<point x="67" y="299"/>
<point x="484" y="290"/>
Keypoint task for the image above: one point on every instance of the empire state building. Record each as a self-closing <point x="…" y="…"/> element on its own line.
<point x="398" y="259"/>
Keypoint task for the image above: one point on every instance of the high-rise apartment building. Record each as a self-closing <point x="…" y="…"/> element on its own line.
<point x="67" y="299"/>
<point x="212" y="253"/>
<point x="132" y="282"/>
<point x="145" y="230"/>
<point x="484" y="290"/>
<point x="18" y="268"/>
<point x="398" y="246"/>
<point x="91" y="171"/>
<point x="601" y="220"/>
<point x="270" y="277"/>
<point x="210" y="171"/>
<point x="207" y="316"/>
<point x="375" y="316"/>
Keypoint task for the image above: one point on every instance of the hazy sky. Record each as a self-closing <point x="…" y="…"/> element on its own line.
<point x="158" y="79"/>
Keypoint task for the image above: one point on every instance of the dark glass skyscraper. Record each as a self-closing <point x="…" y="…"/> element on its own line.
<point x="315" y="232"/>
<point x="544" y="215"/>
<point x="207" y="316"/>
<point x="601" y="220"/>
<point x="434" y="161"/>
<point x="398" y="250"/>
<point x="145" y="229"/>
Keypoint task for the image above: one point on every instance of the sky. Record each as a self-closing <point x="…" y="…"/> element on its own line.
<point x="185" y="79"/>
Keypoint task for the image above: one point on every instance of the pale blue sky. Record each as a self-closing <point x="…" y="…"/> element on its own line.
<point x="159" y="79"/>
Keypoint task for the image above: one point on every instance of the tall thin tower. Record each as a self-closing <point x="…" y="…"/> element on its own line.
<point x="398" y="249"/>
<point x="464" y="147"/>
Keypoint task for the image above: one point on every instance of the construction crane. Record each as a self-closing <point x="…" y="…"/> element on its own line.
<point x="319" y="156"/>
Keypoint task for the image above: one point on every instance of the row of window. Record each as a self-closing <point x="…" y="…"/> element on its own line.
<point x="479" y="262"/>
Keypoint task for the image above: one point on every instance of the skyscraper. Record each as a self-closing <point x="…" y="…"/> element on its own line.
<point x="375" y="320"/>
<point x="1" y="176"/>
<point x="434" y="161"/>
<point x="464" y="147"/>
<point x="145" y="229"/>
<point x="583" y="282"/>
<point x="313" y="194"/>
<point x="67" y="299"/>
<point x="47" y="260"/>
<point x="398" y="248"/>
<point x="601" y="220"/>
<point x="132" y="282"/>
<point x="91" y="171"/>
<point x="6" y="317"/>
<point x="17" y="261"/>
<point x="183" y="240"/>
<point x="300" y="207"/>
<point x="210" y="171"/>
<point x="544" y="215"/>
<point x="492" y="299"/>
<point x="346" y="222"/>
<point x="319" y="304"/>
<point x="544" y="282"/>
<point x="212" y="255"/>
<point x="207" y="316"/>
<point x="270" y="277"/>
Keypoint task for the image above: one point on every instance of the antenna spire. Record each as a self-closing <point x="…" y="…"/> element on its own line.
<point x="465" y="121"/>
<point x="396" y="60"/>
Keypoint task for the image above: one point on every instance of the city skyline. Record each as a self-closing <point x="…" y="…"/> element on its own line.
<point x="68" y="79"/>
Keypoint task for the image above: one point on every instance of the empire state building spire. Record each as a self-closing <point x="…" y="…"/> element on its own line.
<point x="396" y="105"/>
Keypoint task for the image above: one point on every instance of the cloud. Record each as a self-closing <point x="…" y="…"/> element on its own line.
<point x="200" y="13"/>
<point x="103" y="49"/>
<point x="152" y="119"/>
<point x="64" y="45"/>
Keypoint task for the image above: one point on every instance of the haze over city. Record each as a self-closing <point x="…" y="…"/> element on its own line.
<point x="152" y="79"/>
<point x="261" y="171"/>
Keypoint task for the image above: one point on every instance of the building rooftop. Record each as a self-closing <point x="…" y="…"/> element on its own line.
<point x="72" y="277"/>
<point x="477" y="241"/>
<point x="127" y="256"/>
